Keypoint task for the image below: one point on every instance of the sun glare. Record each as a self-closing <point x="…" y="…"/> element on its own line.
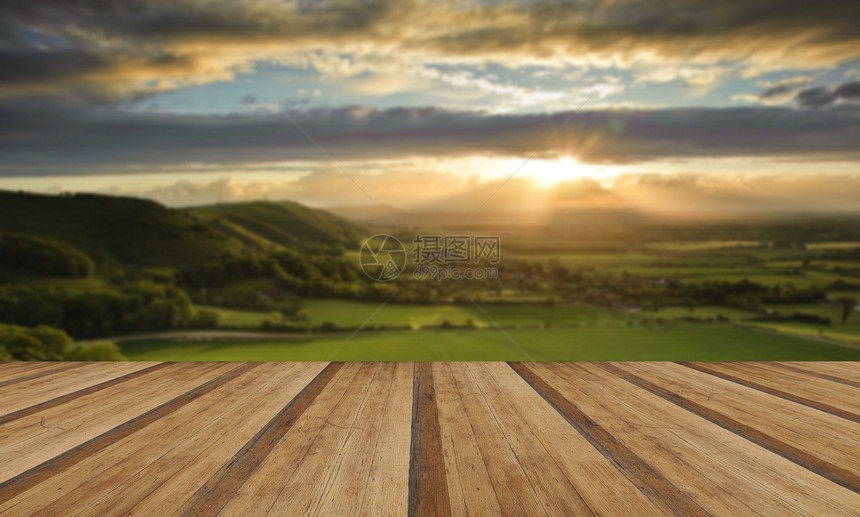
<point x="549" y="173"/>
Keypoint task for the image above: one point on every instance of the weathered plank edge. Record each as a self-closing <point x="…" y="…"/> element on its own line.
<point x="806" y="460"/>
<point x="814" y="404"/>
<point x="42" y="406"/>
<point x="220" y="488"/>
<point x="643" y="476"/>
<point x="428" y="484"/>
<point x="32" y="477"/>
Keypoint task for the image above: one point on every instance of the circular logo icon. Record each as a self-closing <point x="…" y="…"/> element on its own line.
<point x="382" y="257"/>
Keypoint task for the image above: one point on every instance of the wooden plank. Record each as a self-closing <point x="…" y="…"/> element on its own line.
<point x="175" y="477"/>
<point x="120" y="469"/>
<point x="31" y="440"/>
<point x="220" y="488"/>
<point x="504" y="392"/>
<point x="654" y="486"/>
<point x="820" y="442"/>
<point x="849" y="370"/>
<point x="387" y="488"/>
<point x="725" y="473"/>
<point x="44" y="375"/>
<point x="263" y="487"/>
<point x="514" y="492"/>
<point x="14" y="370"/>
<point x="848" y="374"/>
<point x="306" y="487"/>
<point x="42" y="471"/>
<point x="117" y="377"/>
<point x="116" y="439"/>
<point x="469" y="486"/>
<point x="836" y="399"/>
<point x="36" y="438"/>
<point x="428" y="488"/>
<point x="38" y="390"/>
<point x="343" y="490"/>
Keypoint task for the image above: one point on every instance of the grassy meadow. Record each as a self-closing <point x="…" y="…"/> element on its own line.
<point x="571" y="331"/>
<point x="279" y="281"/>
<point x="647" y="342"/>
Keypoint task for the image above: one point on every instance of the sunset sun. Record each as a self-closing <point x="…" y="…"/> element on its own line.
<point x="550" y="173"/>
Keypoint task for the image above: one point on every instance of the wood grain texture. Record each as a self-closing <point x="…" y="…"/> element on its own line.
<point x="816" y="370"/>
<point x="17" y="370"/>
<point x="91" y="486"/>
<point x="212" y="496"/>
<point x="35" y="475"/>
<point x="428" y="488"/>
<point x="702" y="459"/>
<point x="783" y="430"/>
<point x="795" y="388"/>
<point x="649" y="481"/>
<point x="54" y="383"/>
<point x="89" y="390"/>
<point x="94" y="439"/>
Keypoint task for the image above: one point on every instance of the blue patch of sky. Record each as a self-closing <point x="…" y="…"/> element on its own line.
<point x="275" y="86"/>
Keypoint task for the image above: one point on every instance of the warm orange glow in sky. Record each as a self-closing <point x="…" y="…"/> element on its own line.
<point x="435" y="104"/>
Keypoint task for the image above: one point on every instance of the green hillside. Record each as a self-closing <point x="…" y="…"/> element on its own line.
<point x="126" y="230"/>
<point x="283" y="223"/>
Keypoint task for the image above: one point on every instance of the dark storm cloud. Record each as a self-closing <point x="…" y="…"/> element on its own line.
<point x="812" y="97"/>
<point x="58" y="44"/>
<point x="815" y="97"/>
<point x="822" y="96"/>
<point x="47" y="41"/>
<point x="849" y="91"/>
<point x="776" y="91"/>
<point x="37" y="141"/>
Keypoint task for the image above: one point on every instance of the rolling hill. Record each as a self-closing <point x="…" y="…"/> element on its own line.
<point x="135" y="231"/>
<point x="283" y="223"/>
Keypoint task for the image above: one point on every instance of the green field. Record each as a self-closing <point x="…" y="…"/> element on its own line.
<point x="346" y="313"/>
<point x="676" y="342"/>
<point x="671" y="313"/>
<point x="702" y="245"/>
<point x="833" y="245"/>
<point x="234" y="318"/>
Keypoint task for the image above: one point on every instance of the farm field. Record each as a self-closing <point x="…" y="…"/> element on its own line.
<point x="348" y="313"/>
<point x="654" y="342"/>
<point x="236" y="318"/>
<point x="702" y="245"/>
<point x="654" y="291"/>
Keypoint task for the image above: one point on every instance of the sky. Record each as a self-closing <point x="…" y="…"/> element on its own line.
<point x="682" y="107"/>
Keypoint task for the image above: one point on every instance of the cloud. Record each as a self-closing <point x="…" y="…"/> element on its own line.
<point x="47" y="140"/>
<point x="790" y="82"/>
<point x="848" y="91"/>
<point x="776" y="92"/>
<point x="523" y="201"/>
<point x="734" y="194"/>
<point x="815" y="97"/>
<point x="691" y="76"/>
<point x="822" y="96"/>
<point x="151" y="45"/>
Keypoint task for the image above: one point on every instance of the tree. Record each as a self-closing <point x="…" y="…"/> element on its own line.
<point x="101" y="351"/>
<point x="847" y="304"/>
<point x="37" y="344"/>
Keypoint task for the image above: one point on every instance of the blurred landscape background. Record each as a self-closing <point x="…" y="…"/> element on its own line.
<point x="130" y="278"/>
<point x="195" y="180"/>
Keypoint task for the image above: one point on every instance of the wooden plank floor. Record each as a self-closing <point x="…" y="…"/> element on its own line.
<point x="518" y="439"/>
